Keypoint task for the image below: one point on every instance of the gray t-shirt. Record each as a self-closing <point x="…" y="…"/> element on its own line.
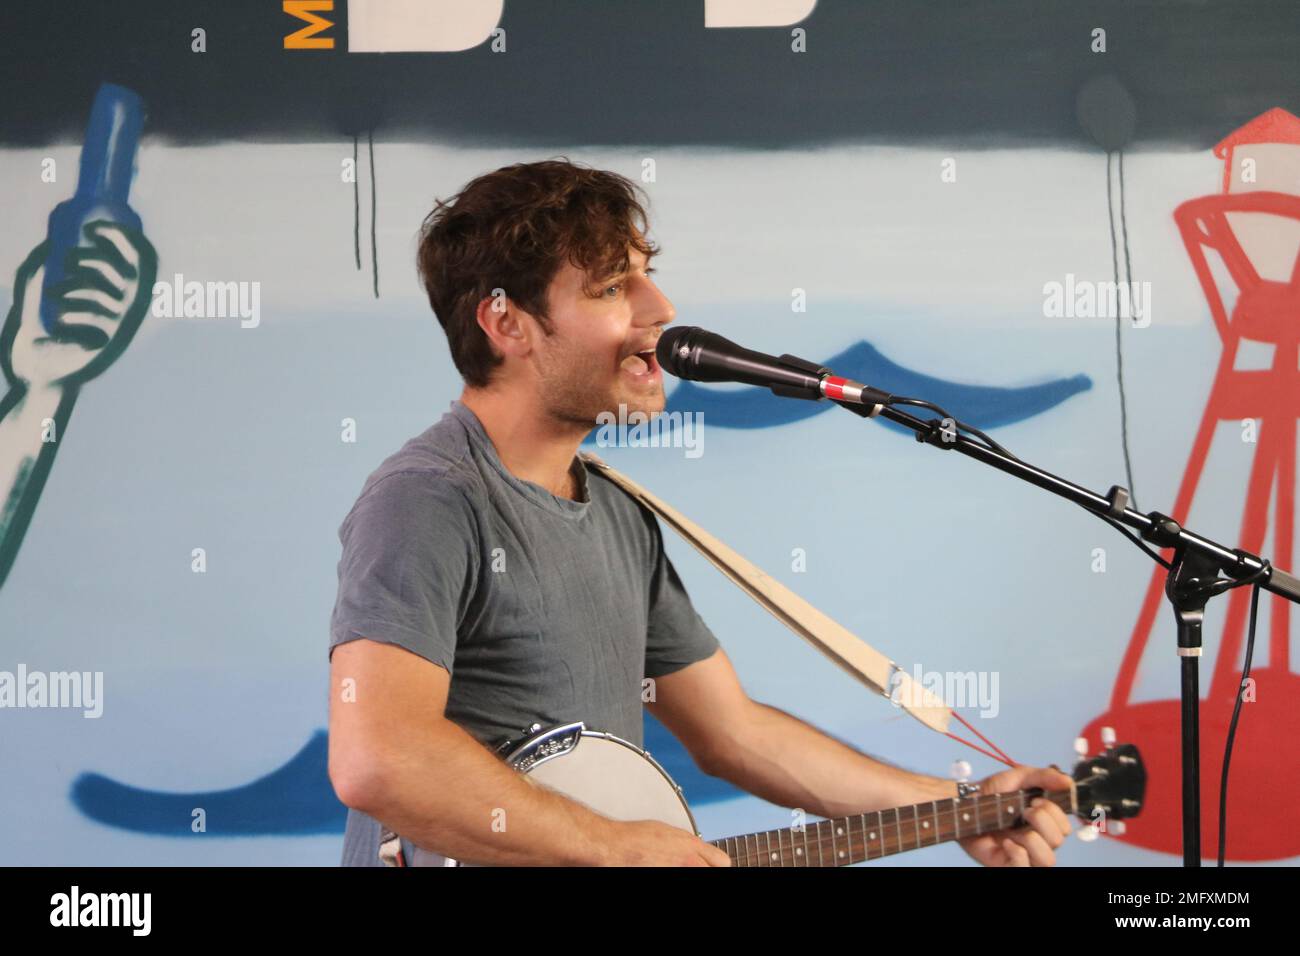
<point x="543" y="609"/>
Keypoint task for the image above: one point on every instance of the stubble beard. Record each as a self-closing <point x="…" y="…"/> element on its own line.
<point x="574" y="393"/>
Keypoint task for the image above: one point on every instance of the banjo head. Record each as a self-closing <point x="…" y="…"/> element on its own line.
<point x="612" y="776"/>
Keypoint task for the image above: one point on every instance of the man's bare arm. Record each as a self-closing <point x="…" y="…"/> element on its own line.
<point x="782" y="759"/>
<point x="395" y="756"/>
<point x="775" y="755"/>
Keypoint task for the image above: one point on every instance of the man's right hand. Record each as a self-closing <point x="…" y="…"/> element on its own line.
<point x="651" y="843"/>
<point x="392" y="751"/>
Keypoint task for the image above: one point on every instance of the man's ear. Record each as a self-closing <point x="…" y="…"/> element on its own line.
<point x="508" y="327"/>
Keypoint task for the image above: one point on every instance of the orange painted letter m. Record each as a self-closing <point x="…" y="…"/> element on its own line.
<point x="306" y="39"/>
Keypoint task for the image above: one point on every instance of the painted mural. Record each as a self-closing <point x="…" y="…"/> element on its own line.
<point x="198" y="207"/>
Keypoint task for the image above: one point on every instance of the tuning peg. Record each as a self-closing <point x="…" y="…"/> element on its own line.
<point x="1081" y="746"/>
<point x="1108" y="737"/>
<point x="960" y="770"/>
<point x="1087" y="833"/>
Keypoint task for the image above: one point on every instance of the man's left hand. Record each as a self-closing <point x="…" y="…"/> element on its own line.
<point x="1046" y="824"/>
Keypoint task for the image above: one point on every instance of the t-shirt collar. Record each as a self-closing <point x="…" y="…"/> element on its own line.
<point x="530" y="490"/>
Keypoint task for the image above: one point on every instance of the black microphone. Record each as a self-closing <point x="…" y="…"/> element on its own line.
<point x="692" y="353"/>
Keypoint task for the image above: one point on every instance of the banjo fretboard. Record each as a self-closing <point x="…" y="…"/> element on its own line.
<point x="868" y="836"/>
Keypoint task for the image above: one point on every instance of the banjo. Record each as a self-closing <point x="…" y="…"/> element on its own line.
<point x="621" y="781"/>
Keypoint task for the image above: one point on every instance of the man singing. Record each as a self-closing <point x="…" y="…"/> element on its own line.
<point x="490" y="581"/>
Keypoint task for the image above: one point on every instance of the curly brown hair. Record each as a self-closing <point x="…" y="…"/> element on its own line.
<point x="512" y="229"/>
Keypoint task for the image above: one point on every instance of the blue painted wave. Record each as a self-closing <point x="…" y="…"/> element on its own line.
<point x="698" y="787"/>
<point x="297" y="799"/>
<point x="294" y="800"/>
<point x="983" y="406"/>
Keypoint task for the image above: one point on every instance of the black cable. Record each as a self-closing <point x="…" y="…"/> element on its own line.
<point x="1153" y="555"/>
<point x="356" y="205"/>
<point x="1254" y="579"/>
<point x="1119" y="345"/>
<point x="971" y="429"/>
<point x="374" y="212"/>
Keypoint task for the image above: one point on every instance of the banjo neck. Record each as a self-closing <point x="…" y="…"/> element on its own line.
<point x="619" y="780"/>
<point x="876" y="833"/>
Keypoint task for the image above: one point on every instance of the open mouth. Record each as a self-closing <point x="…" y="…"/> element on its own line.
<point x="641" y="365"/>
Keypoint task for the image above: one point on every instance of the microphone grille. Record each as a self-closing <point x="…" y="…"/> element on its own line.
<point x="673" y="349"/>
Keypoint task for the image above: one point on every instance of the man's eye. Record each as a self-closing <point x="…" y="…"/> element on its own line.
<point x="617" y="287"/>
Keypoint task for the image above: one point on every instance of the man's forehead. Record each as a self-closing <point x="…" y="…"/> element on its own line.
<point x="635" y="259"/>
<point x="605" y="270"/>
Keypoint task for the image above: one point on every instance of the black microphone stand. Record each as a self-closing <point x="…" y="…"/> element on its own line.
<point x="1192" y="580"/>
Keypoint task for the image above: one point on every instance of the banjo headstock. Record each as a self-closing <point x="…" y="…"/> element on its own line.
<point x="1114" y="782"/>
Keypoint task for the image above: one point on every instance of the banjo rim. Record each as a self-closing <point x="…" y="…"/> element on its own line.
<point x="562" y="739"/>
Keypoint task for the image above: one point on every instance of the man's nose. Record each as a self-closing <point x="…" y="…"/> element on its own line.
<point x="657" y="309"/>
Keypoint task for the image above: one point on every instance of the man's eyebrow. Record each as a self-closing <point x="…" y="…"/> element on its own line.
<point x="617" y="272"/>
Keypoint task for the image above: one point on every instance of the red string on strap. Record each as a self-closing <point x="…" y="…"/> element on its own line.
<point x="1000" y="755"/>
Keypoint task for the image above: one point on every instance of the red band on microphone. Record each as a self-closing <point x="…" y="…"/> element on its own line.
<point x="834" y="386"/>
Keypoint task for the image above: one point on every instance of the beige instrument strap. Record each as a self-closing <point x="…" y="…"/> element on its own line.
<point x="838" y="643"/>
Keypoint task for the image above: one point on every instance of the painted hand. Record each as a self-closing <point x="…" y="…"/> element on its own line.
<point x="100" y="305"/>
